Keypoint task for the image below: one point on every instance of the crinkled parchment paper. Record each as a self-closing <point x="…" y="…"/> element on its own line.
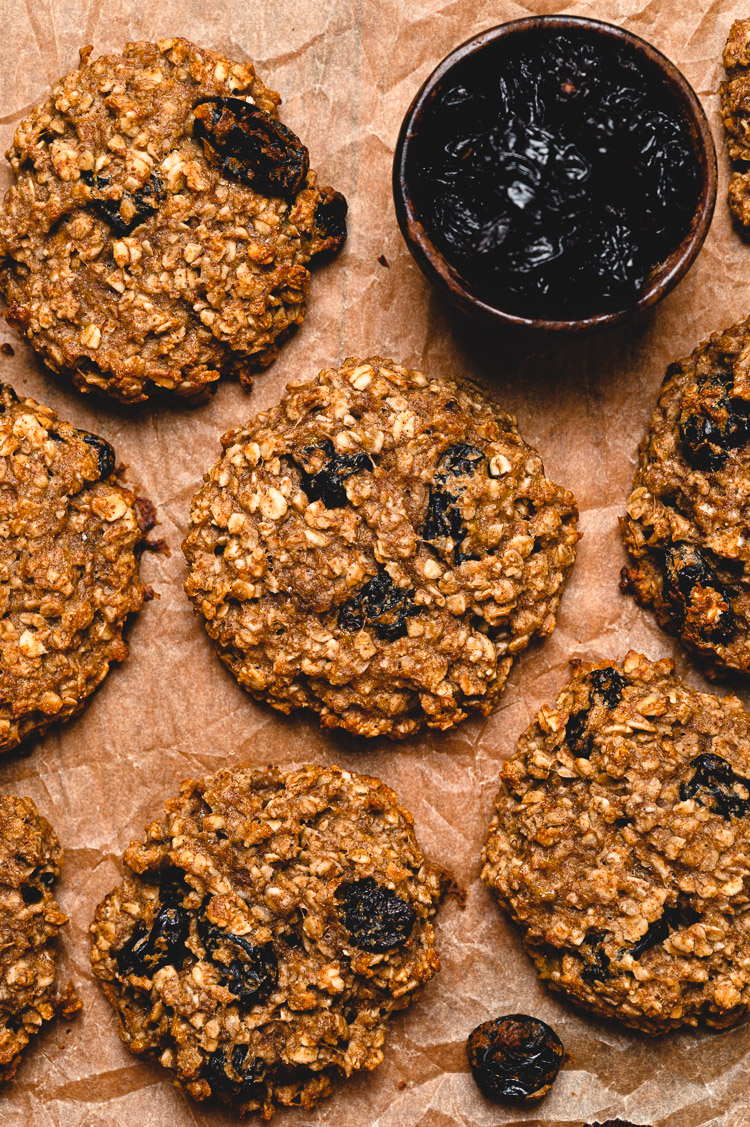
<point x="347" y="70"/>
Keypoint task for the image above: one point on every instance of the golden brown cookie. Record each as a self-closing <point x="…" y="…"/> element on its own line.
<point x="687" y="527"/>
<point x="735" y="113"/>
<point x="69" y="573"/>
<point x="272" y="922"/>
<point x="162" y="220"/>
<point x="621" y="847"/>
<point x="30" y="859"/>
<point x="378" y="547"/>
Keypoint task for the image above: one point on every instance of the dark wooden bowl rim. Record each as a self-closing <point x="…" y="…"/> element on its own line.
<point x="665" y="274"/>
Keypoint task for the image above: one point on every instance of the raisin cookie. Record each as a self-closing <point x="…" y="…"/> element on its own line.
<point x="161" y="223"/>
<point x="378" y="547"/>
<point x="30" y="859"/>
<point x="273" y="921"/>
<point x="69" y="574"/>
<point x="621" y="845"/>
<point x="735" y="113"/>
<point x="687" y="527"/>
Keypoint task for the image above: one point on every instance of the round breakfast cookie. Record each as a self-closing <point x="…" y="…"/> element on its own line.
<point x="69" y="535"/>
<point x="273" y="921"/>
<point x="687" y="527"/>
<point x="621" y="845"/>
<point x="161" y="223"/>
<point x="30" y="859"/>
<point x="735" y="114"/>
<point x="378" y="547"/>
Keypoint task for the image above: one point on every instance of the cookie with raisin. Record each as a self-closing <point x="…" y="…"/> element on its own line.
<point x="70" y="538"/>
<point x="687" y="526"/>
<point x="378" y="547"/>
<point x="620" y="845"/>
<point x="271" y="922"/>
<point x="161" y="223"/>
<point x="30" y="919"/>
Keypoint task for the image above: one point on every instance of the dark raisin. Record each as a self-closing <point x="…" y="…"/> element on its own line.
<point x="249" y="145"/>
<point x="722" y="425"/>
<point x="381" y="604"/>
<point x="104" y="452"/>
<point x="515" y="1057"/>
<point x="714" y="784"/>
<point x="443" y="520"/>
<point x="163" y="944"/>
<point x="687" y="573"/>
<point x="30" y="894"/>
<point x="329" y="221"/>
<point x="231" y="1076"/>
<point x="597" y="961"/>
<point x="249" y="971"/>
<point x="607" y="686"/>
<point x="461" y="460"/>
<point x="672" y="918"/>
<point x="578" y="740"/>
<point x="375" y="917"/>
<point x="131" y="209"/>
<point x="327" y="485"/>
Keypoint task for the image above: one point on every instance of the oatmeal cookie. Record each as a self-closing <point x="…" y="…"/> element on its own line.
<point x="69" y="576"/>
<point x="30" y="859"/>
<point x="687" y="527"/>
<point x="735" y="113"/>
<point x="378" y="547"/>
<point x="273" y="921"/>
<point x="621" y="845"/>
<point x="161" y="223"/>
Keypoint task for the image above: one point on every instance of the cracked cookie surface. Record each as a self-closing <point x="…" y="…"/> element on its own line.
<point x="69" y="574"/>
<point x="378" y="547"/>
<point x="621" y="846"/>
<point x="160" y="226"/>
<point x="687" y="527"/>
<point x="272" y="922"/>
<point x="30" y="859"/>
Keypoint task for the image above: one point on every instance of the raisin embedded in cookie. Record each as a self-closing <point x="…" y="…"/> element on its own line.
<point x="378" y="547"/>
<point x="162" y="220"/>
<point x="621" y="846"/>
<point x="273" y="921"/>
<point x="69" y="573"/>
<point x="30" y="859"/>
<point x="687" y="527"/>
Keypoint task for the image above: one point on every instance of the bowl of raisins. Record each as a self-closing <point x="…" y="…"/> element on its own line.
<point x="556" y="173"/>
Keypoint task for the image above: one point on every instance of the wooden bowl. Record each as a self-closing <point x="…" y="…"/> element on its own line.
<point x="664" y="275"/>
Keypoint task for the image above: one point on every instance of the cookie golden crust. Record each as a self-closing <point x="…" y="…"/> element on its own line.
<point x="735" y="114"/>
<point x="687" y="528"/>
<point x="69" y="573"/>
<point x="621" y="846"/>
<point x="378" y="547"/>
<point x="273" y="921"/>
<point x="30" y="859"/>
<point x="161" y="223"/>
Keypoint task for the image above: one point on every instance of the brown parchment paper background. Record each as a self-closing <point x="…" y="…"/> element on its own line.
<point x="347" y="70"/>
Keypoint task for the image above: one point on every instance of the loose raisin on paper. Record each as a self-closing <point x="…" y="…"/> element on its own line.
<point x="249" y="145"/>
<point x="515" y="1057"/>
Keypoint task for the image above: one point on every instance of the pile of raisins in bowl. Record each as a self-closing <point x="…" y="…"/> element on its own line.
<point x="554" y="178"/>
